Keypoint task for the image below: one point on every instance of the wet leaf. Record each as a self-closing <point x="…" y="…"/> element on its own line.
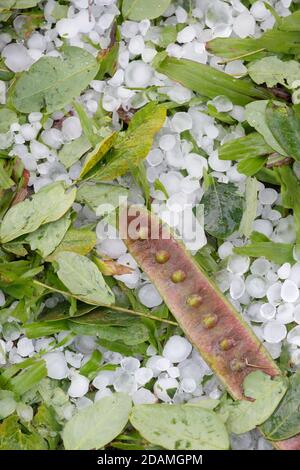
<point x="48" y="205"/>
<point x="285" y="421"/>
<point x="267" y="394"/>
<point x="13" y="436"/>
<point x="100" y="197"/>
<point x="223" y="209"/>
<point x="272" y="70"/>
<point x="252" y="145"/>
<point x="138" y="10"/>
<point x="53" y="82"/>
<point x="82" y="277"/>
<point x="180" y="427"/>
<point x="279" y="253"/>
<point x="77" y="240"/>
<point x="98" y="424"/>
<point x="46" y="238"/>
<point x="96" y="155"/>
<point x="72" y="151"/>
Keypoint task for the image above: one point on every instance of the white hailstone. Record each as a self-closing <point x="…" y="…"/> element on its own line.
<point x="75" y="170"/>
<point x="238" y="264"/>
<point x="181" y="122"/>
<point x="237" y="288"/>
<point x="189" y="185"/>
<point x="271" y="276"/>
<point x="236" y="67"/>
<point x="256" y="286"/>
<point x="263" y="226"/>
<point x="74" y="359"/>
<point x="28" y="131"/>
<point x="53" y="138"/>
<point x="152" y="364"/>
<point x="188" y="385"/>
<point x="211" y="131"/>
<point x="274" y="332"/>
<point x="148" y="54"/>
<point x="83" y="402"/>
<point x="2" y="352"/>
<point x="259" y="10"/>
<point x="16" y="57"/>
<point x="105" y="21"/>
<point x="268" y="196"/>
<point x="285" y="231"/>
<point x="25" y="347"/>
<point x="167" y="142"/>
<point x="143" y="397"/>
<point x="162" y="386"/>
<point x="295" y="357"/>
<point x="222" y="104"/>
<point x="104" y="392"/>
<point x="103" y="379"/>
<point x="289" y="291"/>
<point x="155" y="157"/>
<point x="112" y="248"/>
<point x="130" y="364"/>
<point x="253" y="312"/>
<point x="151" y="351"/>
<point x="274" y="349"/>
<point x="295" y="274"/>
<point x="2" y="298"/>
<point x="177" y="349"/>
<point x="110" y="103"/>
<point x="244" y="25"/>
<point x="195" y="165"/>
<point x="43" y="344"/>
<point x="117" y="79"/>
<point x="260" y="266"/>
<point x="143" y="375"/>
<point x="149" y="296"/>
<point x="85" y="344"/>
<point x="284" y="271"/>
<point x="56" y="365"/>
<point x="37" y="41"/>
<point x="85" y="21"/>
<point x="225" y="250"/>
<point x="79" y="386"/>
<point x="177" y="202"/>
<point x="242" y="441"/>
<point x="2" y="92"/>
<point x="216" y="164"/>
<point x="125" y="383"/>
<point x="138" y="74"/>
<point x="35" y="117"/>
<point x="39" y="150"/>
<point x="171" y="181"/>
<point x="293" y="336"/>
<point x="181" y="14"/>
<point x="25" y="412"/>
<point x="175" y="158"/>
<point x="267" y="311"/>
<point x="136" y="45"/>
<point x="274" y="293"/>
<point x="71" y="128"/>
<point x="163" y="364"/>
<point x="67" y="28"/>
<point x="297" y="314"/>
<point x="174" y="50"/>
<point x="187" y="34"/>
<point x="238" y="113"/>
<point x="173" y="372"/>
<point x="285" y="313"/>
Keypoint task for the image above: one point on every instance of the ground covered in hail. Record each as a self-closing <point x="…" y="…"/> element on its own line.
<point x="190" y="108"/>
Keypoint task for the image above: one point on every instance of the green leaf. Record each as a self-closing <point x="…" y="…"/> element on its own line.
<point x="96" y="155"/>
<point x="290" y="193"/>
<point x="267" y="393"/>
<point x="46" y="238"/>
<point x="279" y="253"/>
<point x="210" y="82"/>
<point x="7" y="118"/>
<point x="138" y="10"/>
<point x="223" y="209"/>
<point x="48" y="205"/>
<point x="5" y="181"/>
<point x="98" y="424"/>
<point x="46" y="424"/>
<point x="271" y="70"/>
<point x="251" y="146"/>
<point x="6" y="4"/>
<point x="82" y="277"/>
<point x="284" y="123"/>
<point x="134" y="145"/>
<point x="250" y="166"/>
<point x="128" y="330"/>
<point x="285" y="421"/>
<point x="180" y="427"/>
<point x="53" y="82"/>
<point x="78" y="240"/>
<point x="72" y="151"/>
<point x="100" y="194"/>
<point x="255" y="114"/>
<point x="86" y="124"/>
<point x="249" y="214"/>
<point x="279" y="42"/>
<point x="29" y="377"/>
<point x="92" y="366"/>
<point x="14" y="436"/>
<point x="7" y="404"/>
<point x="291" y="22"/>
